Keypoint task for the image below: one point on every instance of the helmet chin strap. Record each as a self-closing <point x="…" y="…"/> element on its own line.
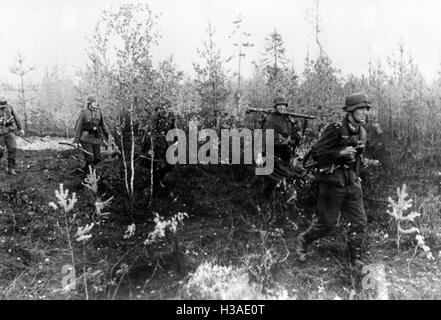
<point x="355" y="119"/>
<point x="352" y="123"/>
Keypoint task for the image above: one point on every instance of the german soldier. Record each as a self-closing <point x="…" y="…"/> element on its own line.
<point x="338" y="156"/>
<point x="8" y="120"/>
<point x="163" y="120"/>
<point x="87" y="131"/>
<point x="286" y="138"/>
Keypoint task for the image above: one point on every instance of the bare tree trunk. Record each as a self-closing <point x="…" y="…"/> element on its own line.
<point x="123" y="154"/>
<point x="132" y="159"/>
<point x="151" y="169"/>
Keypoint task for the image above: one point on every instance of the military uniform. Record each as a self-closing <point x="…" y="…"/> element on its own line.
<point x="9" y="121"/>
<point x="87" y="131"/>
<point x="286" y="138"/>
<point x="339" y="187"/>
<point x="162" y="123"/>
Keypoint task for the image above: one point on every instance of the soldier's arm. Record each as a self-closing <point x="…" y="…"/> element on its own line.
<point x="17" y="119"/>
<point x="78" y="127"/>
<point x="260" y="142"/>
<point x="104" y="127"/>
<point x="296" y="132"/>
<point x="324" y="150"/>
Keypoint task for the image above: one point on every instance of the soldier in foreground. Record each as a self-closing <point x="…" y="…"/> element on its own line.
<point x="8" y="120"/>
<point x="287" y="137"/>
<point x="87" y="131"/>
<point x="338" y="157"/>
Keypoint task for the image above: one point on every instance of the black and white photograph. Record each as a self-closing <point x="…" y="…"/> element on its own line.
<point x="206" y="151"/>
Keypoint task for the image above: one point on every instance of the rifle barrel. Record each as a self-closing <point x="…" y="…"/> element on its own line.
<point x="78" y="148"/>
<point x="4" y="122"/>
<point x="295" y="115"/>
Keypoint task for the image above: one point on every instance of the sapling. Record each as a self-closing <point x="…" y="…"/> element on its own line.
<point x="398" y="209"/>
<point x="82" y="235"/>
<point x="67" y="204"/>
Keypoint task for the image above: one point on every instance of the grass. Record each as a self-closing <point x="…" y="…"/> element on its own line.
<point x="229" y="226"/>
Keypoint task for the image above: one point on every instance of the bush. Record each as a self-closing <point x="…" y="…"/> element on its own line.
<point x="213" y="282"/>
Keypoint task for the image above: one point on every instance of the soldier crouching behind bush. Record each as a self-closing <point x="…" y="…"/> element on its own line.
<point x="338" y="157"/>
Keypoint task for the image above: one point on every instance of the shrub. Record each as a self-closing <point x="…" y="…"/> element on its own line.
<point x="211" y="281"/>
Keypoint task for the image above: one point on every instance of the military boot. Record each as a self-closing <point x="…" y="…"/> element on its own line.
<point x="301" y="248"/>
<point x="355" y="256"/>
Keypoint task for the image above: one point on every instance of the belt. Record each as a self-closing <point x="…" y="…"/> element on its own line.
<point x="334" y="167"/>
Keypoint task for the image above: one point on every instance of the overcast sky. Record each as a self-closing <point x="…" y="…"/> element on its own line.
<point x="56" y="31"/>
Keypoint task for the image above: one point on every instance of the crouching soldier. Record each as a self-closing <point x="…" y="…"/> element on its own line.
<point x="8" y="120"/>
<point x="338" y="154"/>
<point x="87" y="131"/>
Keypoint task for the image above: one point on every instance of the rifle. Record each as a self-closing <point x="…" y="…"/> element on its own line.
<point x="79" y="148"/>
<point x="357" y="145"/>
<point x="291" y="114"/>
<point x="27" y="140"/>
<point x="4" y="122"/>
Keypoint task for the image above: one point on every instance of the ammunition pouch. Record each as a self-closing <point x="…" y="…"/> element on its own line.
<point x="90" y="127"/>
<point x="340" y="175"/>
<point x="6" y="125"/>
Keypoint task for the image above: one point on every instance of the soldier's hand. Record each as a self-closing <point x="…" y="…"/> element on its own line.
<point x="151" y="153"/>
<point x="348" y="153"/>
<point x="259" y="160"/>
<point x="21" y="133"/>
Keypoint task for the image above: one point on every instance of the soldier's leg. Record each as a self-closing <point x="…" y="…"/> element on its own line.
<point x="329" y="202"/>
<point x="281" y="160"/>
<point x="11" y="146"/>
<point x="87" y="157"/>
<point x="2" y="145"/>
<point x="164" y="171"/>
<point x="96" y="150"/>
<point x="330" y="199"/>
<point x="354" y="211"/>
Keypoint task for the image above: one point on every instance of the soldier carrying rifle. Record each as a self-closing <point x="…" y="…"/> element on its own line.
<point x="8" y="120"/>
<point x="87" y="131"/>
<point x="288" y="134"/>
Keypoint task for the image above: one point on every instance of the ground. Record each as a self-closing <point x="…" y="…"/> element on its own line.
<point x="228" y="225"/>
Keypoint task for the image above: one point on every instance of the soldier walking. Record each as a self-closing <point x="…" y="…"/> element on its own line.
<point x="287" y="137"/>
<point x="87" y="131"/>
<point x="338" y="154"/>
<point x="162" y="121"/>
<point x="9" y="120"/>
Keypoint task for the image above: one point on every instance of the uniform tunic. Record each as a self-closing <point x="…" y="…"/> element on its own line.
<point x="286" y="138"/>
<point x="87" y="131"/>
<point x="7" y="133"/>
<point x="339" y="186"/>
